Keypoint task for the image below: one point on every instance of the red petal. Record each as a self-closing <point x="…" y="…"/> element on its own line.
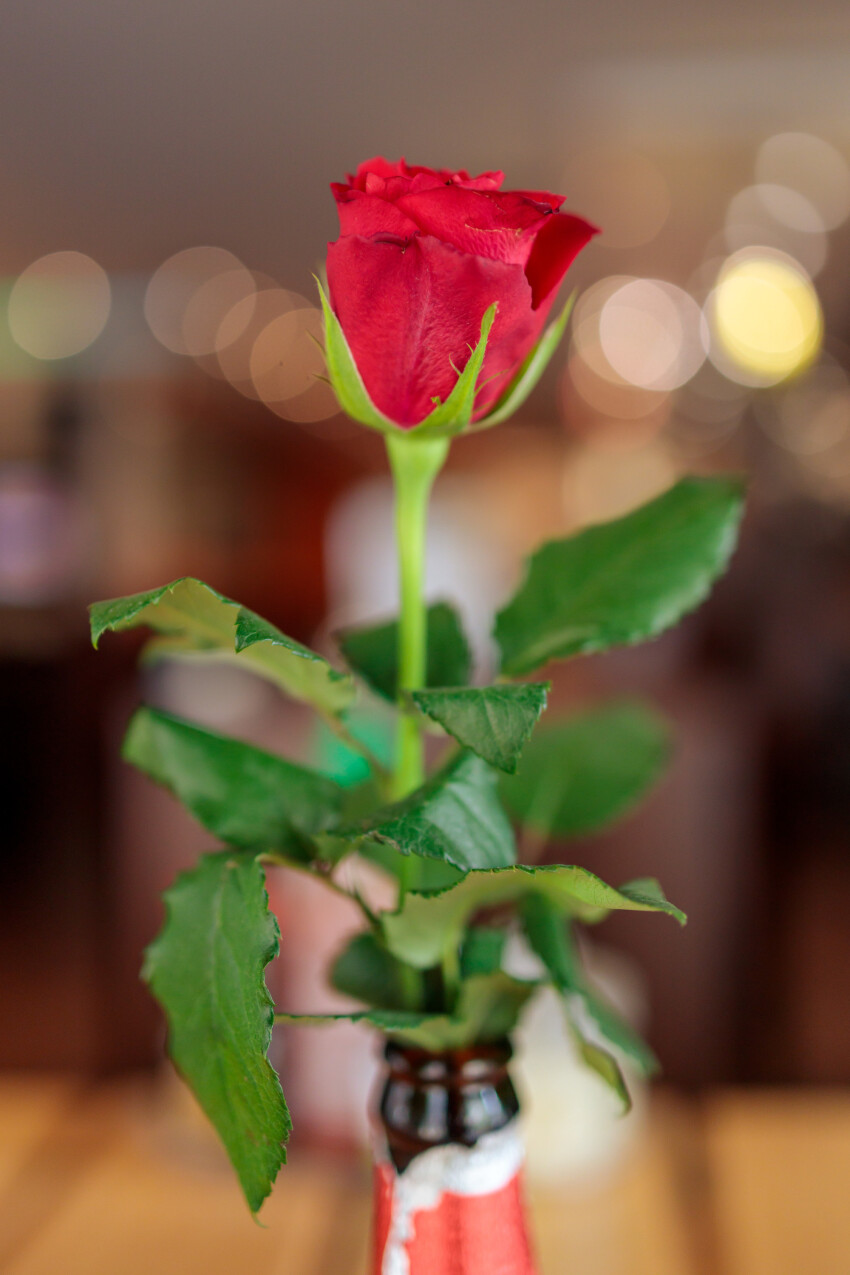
<point x="386" y="169"/>
<point x="559" y="242"/>
<point x="380" y="166"/>
<point x="362" y="214"/>
<point x="484" y="181"/>
<point x="410" y="311"/>
<point x="487" y="223"/>
<point x="543" y="197"/>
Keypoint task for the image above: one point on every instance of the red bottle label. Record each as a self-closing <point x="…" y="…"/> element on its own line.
<point x="454" y="1211"/>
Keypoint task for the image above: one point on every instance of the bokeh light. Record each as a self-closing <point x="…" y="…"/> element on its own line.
<point x="590" y="382"/>
<point x="790" y="208"/>
<point x="634" y="342"/>
<point x="315" y="404"/>
<point x="178" y="320"/>
<point x="286" y="356"/>
<point x="588" y="307"/>
<point x="240" y="330"/>
<point x="765" y="318"/>
<point x="811" y="166"/>
<point x="210" y="304"/>
<point x="607" y="396"/>
<point x="286" y="363"/>
<point x="778" y="217"/>
<point x="653" y="334"/>
<point x="59" y="305"/>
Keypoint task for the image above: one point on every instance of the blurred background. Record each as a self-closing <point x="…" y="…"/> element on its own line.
<point x="165" y="175"/>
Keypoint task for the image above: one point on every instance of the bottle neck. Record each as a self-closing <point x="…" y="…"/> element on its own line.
<point x="431" y="1100"/>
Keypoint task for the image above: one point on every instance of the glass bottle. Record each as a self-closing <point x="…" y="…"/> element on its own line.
<point x="448" y="1172"/>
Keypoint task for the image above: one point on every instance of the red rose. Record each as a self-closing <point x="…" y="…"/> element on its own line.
<point x="421" y="256"/>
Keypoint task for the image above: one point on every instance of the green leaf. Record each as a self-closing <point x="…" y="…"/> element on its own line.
<point x="427" y="926"/>
<point x="295" y="668"/>
<point x="456" y="817"/>
<point x="488" y="1008"/>
<point x="550" y="935"/>
<point x="368" y="972"/>
<point x="581" y="774"/>
<point x="647" y="888"/>
<point x="494" y="721"/>
<point x="193" y="619"/>
<point x="546" y="927"/>
<point x="447" y="418"/>
<point x="619" y="1033"/>
<point x="423" y="874"/>
<point x="530" y="370"/>
<point x="624" y="581"/>
<point x="244" y="796"/>
<point x="373" y="652"/>
<point x="483" y="946"/>
<point x="605" y="1065"/>
<point x="206" y="970"/>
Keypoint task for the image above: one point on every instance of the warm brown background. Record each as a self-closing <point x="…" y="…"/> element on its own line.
<point x="132" y="131"/>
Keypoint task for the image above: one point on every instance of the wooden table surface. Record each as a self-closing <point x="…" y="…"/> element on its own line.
<point x="103" y="1181"/>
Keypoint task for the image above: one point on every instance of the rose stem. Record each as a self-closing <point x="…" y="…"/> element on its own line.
<point x="415" y="463"/>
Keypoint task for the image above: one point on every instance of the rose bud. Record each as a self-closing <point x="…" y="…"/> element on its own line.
<point x="435" y="274"/>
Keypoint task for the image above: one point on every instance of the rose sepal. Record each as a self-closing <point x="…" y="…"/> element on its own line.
<point x="530" y="371"/>
<point x="344" y="376"/>
<point x="455" y="414"/>
<point x="447" y="419"/>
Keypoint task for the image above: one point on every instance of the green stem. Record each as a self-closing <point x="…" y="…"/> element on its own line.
<point x="415" y="463"/>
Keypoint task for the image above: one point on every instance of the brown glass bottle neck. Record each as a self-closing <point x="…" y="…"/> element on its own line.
<point x="435" y="1099"/>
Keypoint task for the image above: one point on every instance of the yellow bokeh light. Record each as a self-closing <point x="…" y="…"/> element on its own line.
<point x="59" y="305"/>
<point x="766" y="316"/>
